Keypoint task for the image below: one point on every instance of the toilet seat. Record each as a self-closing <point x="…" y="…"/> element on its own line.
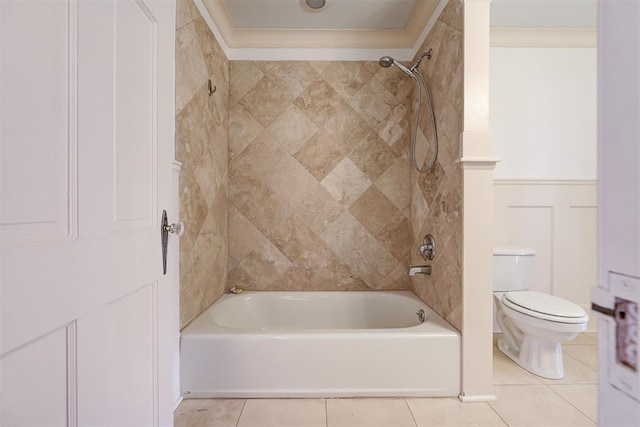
<point x="545" y="306"/>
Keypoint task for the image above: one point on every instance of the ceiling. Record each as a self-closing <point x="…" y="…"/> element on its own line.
<point x="362" y="29"/>
<point x="350" y="28"/>
<point x="576" y="14"/>
<point x="336" y="14"/>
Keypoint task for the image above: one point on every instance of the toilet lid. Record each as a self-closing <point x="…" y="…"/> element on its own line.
<point x="545" y="306"/>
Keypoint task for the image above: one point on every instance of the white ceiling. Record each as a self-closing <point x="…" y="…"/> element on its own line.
<point x="336" y="14"/>
<point x="362" y="29"/>
<point x="543" y="13"/>
<point x="343" y="29"/>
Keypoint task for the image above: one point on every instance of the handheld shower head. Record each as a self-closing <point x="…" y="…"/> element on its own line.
<point x="387" y="61"/>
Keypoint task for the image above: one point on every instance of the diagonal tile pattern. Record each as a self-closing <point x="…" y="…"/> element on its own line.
<point x="436" y="197"/>
<point x="306" y="166"/>
<point x="202" y="143"/>
<point x="318" y="177"/>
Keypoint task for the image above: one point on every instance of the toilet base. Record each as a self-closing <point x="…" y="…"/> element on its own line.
<point x="542" y="358"/>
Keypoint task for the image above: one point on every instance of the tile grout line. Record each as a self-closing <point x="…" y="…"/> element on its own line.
<point x="498" y="414"/>
<point x="582" y="363"/>
<point x="411" y="412"/>
<point x="241" y="412"/>
<point x="572" y="405"/>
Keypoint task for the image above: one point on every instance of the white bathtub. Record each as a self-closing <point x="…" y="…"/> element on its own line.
<point x="319" y="344"/>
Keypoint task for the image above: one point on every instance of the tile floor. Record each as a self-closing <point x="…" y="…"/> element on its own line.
<point x="523" y="400"/>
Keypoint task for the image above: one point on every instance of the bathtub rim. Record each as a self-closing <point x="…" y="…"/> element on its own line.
<point x="435" y="325"/>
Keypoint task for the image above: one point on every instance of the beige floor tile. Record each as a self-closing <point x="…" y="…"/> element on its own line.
<point x="587" y="354"/>
<point x="208" y="412"/>
<point x="535" y="405"/>
<point x="584" y="397"/>
<point x="283" y="413"/>
<point x="452" y="412"/>
<point x="506" y="371"/>
<point x="575" y="372"/>
<point x="369" y="413"/>
<point x="592" y="335"/>
<point x="583" y="339"/>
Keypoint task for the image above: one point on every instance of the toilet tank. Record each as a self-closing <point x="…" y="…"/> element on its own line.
<point x="512" y="268"/>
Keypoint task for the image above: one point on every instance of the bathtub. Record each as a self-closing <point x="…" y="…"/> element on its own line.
<point x="319" y="344"/>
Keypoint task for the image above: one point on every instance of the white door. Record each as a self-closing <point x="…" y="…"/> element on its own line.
<point x="617" y="297"/>
<point x="87" y="125"/>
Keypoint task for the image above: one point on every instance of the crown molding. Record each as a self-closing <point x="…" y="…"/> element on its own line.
<point x="293" y="44"/>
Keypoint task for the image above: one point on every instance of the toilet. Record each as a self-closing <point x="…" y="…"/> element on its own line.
<point x="534" y="324"/>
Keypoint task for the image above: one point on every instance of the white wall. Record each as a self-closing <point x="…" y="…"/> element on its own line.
<point x="543" y="116"/>
<point x="543" y="112"/>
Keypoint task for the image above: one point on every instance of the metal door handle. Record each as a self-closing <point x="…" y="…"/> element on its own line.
<point x="165" y="229"/>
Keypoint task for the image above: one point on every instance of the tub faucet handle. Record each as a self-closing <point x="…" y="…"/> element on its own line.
<point x="428" y="248"/>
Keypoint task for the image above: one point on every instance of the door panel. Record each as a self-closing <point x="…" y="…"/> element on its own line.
<point x="81" y="204"/>
<point x="116" y="362"/>
<point x="135" y="58"/>
<point x="37" y="106"/>
<point x="38" y="371"/>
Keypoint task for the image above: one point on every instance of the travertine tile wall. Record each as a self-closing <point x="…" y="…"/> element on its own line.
<point x="436" y="197"/>
<point x="319" y="192"/>
<point x="202" y="129"/>
<point x="319" y="177"/>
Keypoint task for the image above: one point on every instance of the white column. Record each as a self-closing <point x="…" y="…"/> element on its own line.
<point x="477" y="164"/>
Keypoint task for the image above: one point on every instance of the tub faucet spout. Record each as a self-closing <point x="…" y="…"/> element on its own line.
<point x="419" y="269"/>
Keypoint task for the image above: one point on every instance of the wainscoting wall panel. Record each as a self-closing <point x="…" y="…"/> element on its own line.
<point x="557" y="218"/>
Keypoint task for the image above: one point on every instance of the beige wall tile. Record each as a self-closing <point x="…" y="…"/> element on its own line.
<point x="374" y="102"/>
<point x="243" y="129"/>
<point x="319" y="102"/>
<point x="317" y="149"/>
<point x="373" y="210"/>
<point x="293" y="76"/>
<point x="202" y="139"/>
<point x="394" y="183"/>
<point x="320" y="155"/>
<point x="394" y="236"/>
<point x="346" y="182"/>
<point x="347" y="78"/>
<point x="292" y="129"/>
<point x="244" y="76"/>
<point x="436" y="199"/>
<point x="371" y="154"/>
<point x="366" y="257"/>
<point x="265" y="101"/>
<point x="191" y="69"/>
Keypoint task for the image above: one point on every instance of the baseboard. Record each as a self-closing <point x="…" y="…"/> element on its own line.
<point x="477" y="398"/>
<point x="177" y="403"/>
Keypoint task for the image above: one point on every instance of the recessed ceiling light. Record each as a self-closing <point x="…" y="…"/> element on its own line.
<point x="315" y="4"/>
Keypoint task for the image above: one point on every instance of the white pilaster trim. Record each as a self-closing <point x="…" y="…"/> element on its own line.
<point x="478" y="163"/>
